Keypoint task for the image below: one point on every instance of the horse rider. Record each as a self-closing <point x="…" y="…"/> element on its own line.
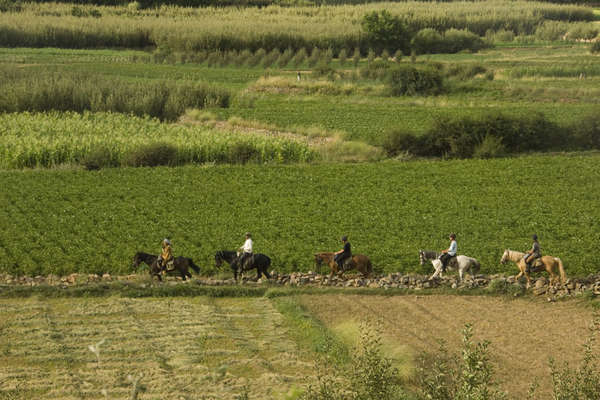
<point x="533" y="254"/>
<point x="246" y="250"/>
<point x="342" y="255"/>
<point x="449" y="252"/>
<point x="166" y="256"/>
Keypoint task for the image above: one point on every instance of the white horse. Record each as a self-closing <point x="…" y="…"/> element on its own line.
<point x="461" y="263"/>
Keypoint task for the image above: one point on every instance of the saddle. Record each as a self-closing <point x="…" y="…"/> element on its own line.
<point x="537" y="265"/>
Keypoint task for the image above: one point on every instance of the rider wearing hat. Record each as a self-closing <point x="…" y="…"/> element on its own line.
<point x="342" y="255"/>
<point x="246" y="249"/>
<point x="449" y="252"/>
<point x="533" y="254"/>
<point x="166" y="255"/>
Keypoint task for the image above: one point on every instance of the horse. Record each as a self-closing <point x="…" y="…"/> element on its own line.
<point x="360" y="262"/>
<point x="426" y="255"/>
<point x="551" y="264"/>
<point x="181" y="265"/>
<point x="461" y="263"/>
<point x="259" y="261"/>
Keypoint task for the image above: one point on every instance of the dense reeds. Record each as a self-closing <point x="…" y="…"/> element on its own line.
<point x="338" y="28"/>
<point x="98" y="140"/>
<point x="47" y="91"/>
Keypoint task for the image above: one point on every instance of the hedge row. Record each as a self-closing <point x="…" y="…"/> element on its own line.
<point x="494" y="134"/>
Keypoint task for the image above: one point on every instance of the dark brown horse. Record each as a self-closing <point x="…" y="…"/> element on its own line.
<point x="359" y="262"/>
<point x="181" y="265"/>
<point x="259" y="261"/>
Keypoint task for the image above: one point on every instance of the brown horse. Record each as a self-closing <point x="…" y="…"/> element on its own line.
<point x="553" y="266"/>
<point x="360" y="262"/>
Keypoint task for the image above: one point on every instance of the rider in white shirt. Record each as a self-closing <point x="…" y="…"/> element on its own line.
<point x="449" y="252"/>
<point x="246" y="249"/>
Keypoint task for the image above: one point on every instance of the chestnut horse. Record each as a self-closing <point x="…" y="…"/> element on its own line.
<point x="360" y="262"/>
<point x="551" y="264"/>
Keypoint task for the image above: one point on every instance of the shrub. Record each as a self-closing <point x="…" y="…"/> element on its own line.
<point x="270" y="58"/>
<point x="343" y="57"/>
<point x="595" y="47"/>
<point x="242" y="153"/>
<point x="490" y="146"/>
<point x="315" y="55"/>
<point x="465" y="71"/>
<point x="444" y="376"/>
<point x="376" y="70"/>
<point x="99" y="158"/>
<point x="385" y="31"/>
<point x="396" y="142"/>
<point x="285" y="58"/>
<point x="426" y="41"/>
<point x="582" y="383"/>
<point x="409" y="80"/>
<point x="356" y="57"/>
<point x="299" y="57"/>
<point x="152" y="155"/>
<point x="10" y="6"/>
<point x="456" y="40"/>
<point x="587" y="131"/>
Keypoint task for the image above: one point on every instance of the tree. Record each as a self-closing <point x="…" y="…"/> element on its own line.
<point x="385" y="31"/>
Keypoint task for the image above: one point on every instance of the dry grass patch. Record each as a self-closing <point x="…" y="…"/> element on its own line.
<point x="523" y="334"/>
<point x="183" y="347"/>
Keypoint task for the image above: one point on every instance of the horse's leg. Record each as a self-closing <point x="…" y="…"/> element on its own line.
<point x="460" y="274"/>
<point x="266" y="272"/>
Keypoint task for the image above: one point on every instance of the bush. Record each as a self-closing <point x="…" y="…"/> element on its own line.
<point x="378" y="69"/>
<point x="582" y="383"/>
<point x="152" y="155"/>
<point x="587" y="132"/>
<point x="385" y="31"/>
<point x="10" y="6"/>
<point x="409" y="80"/>
<point x="397" y="142"/>
<point x="443" y="376"/>
<point x="100" y="158"/>
<point x="465" y="71"/>
<point x="490" y="146"/>
<point x="595" y="47"/>
<point x="426" y="41"/>
<point x="456" y="40"/>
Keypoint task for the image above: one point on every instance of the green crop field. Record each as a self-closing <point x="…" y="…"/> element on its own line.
<point x="62" y="221"/>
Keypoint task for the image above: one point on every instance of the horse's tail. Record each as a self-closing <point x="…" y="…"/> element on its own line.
<point x="194" y="267"/>
<point x="561" y="268"/>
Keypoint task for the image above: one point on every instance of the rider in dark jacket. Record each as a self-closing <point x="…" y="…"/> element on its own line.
<point x="342" y="255"/>
<point x="533" y="254"/>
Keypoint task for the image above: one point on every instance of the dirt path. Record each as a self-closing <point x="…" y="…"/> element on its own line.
<point x="523" y="333"/>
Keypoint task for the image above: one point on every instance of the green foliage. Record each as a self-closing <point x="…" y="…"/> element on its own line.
<point x="485" y="136"/>
<point x="408" y="80"/>
<point x="152" y="155"/>
<point x="447" y="377"/>
<point x="385" y="31"/>
<point x="595" y="47"/>
<point x="370" y="375"/>
<point x="12" y="6"/>
<point x="104" y="140"/>
<point x="582" y="383"/>
<point x="81" y="92"/>
<point x="75" y="211"/>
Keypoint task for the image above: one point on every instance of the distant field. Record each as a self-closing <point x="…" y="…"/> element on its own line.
<point x="63" y="221"/>
<point x="184" y="348"/>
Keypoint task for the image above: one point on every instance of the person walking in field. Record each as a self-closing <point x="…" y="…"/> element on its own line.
<point x="246" y="250"/>
<point x="533" y="254"/>
<point x="165" y="261"/>
<point x="449" y="252"/>
<point x="342" y="255"/>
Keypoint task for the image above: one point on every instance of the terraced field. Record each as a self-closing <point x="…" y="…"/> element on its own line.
<point x="177" y="348"/>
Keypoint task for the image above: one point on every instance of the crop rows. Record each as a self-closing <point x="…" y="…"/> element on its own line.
<point x="64" y="221"/>
<point x="45" y="140"/>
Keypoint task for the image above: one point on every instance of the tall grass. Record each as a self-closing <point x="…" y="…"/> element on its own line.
<point x="273" y="27"/>
<point x="85" y="92"/>
<point x="105" y="139"/>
